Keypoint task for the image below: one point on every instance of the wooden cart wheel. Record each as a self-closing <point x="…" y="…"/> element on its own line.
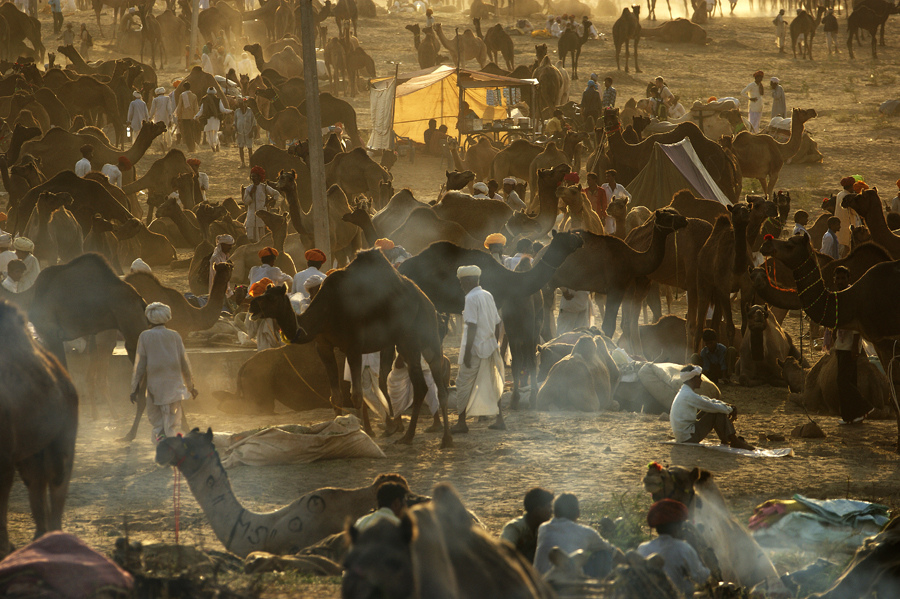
<point x="473" y="139"/>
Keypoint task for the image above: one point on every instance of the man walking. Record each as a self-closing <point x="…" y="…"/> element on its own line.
<point x="244" y="125"/>
<point x="779" y="31"/>
<point x="185" y="109"/>
<point x="693" y="416"/>
<point x="830" y="25"/>
<point x="779" y="105"/>
<point x="56" y="10"/>
<point x="161" y="367"/>
<point x="137" y="114"/>
<point x="479" y="382"/>
<point x="161" y="111"/>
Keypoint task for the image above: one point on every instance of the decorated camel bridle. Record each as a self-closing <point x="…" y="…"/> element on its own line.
<point x="813" y="275"/>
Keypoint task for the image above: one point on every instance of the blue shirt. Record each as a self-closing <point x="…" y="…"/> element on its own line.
<point x="55" y="5"/>
<point x="716" y="357"/>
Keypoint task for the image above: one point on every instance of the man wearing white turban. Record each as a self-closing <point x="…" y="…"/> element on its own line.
<point x="6" y="254"/>
<point x="479" y="383"/>
<point x="24" y="249"/>
<point x="224" y="245"/>
<point x="161" y="368"/>
<point x="140" y="266"/>
<point x="693" y="416"/>
<point x="162" y="110"/>
<point x="137" y="114"/>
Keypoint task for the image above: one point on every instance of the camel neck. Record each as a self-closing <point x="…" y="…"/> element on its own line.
<point x="875" y="221"/>
<point x="298" y="216"/>
<point x="820" y="304"/>
<point x="741" y="249"/>
<point x="648" y="261"/>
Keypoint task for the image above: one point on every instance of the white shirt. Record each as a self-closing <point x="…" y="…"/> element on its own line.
<point x="162" y="109"/>
<point x="830" y="247"/>
<point x="162" y="360"/>
<point x="265" y="331"/>
<point x="481" y="311"/>
<point x="683" y="414"/>
<point x="82" y="167"/>
<point x="301" y="277"/>
<point x="752" y="90"/>
<point x="682" y="564"/>
<point x="400" y="388"/>
<point x="32" y="270"/>
<point x="257" y="273"/>
<point x="848" y="217"/>
<point x="218" y="256"/>
<point x="798" y="228"/>
<point x="11" y="285"/>
<point x="5" y="258"/>
<point x="568" y="536"/>
<point x="618" y="192"/>
<point x="375" y="517"/>
<point x="137" y="114"/>
<point x="514" y="201"/>
<point x="112" y="173"/>
<point x="512" y="263"/>
<point x="255" y="199"/>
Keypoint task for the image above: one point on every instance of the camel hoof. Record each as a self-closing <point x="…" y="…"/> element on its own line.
<point x="459" y="428"/>
<point x="434" y="428"/>
<point x="403" y="441"/>
<point x="498" y="426"/>
<point x="447" y="443"/>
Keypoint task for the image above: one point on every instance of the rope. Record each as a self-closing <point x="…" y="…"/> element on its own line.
<point x="176" y="501"/>
<point x="303" y="380"/>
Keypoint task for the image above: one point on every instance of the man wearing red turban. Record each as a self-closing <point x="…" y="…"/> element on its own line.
<point x="268" y="270"/>
<point x="257" y="197"/>
<point x="315" y="258"/>
<point x="682" y="564"/>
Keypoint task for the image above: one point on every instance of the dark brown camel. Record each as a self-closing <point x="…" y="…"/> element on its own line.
<point x="517" y="295"/>
<point x="871" y="209"/>
<point x="395" y="313"/>
<point x="40" y="422"/>
<point x="89" y="97"/>
<point x="608" y="265"/>
<point x="627" y="28"/>
<point x="540" y="224"/>
<point x="498" y="42"/>
<point x="151" y="34"/>
<point x="570" y="43"/>
<point x="22" y="27"/>
<point x="85" y="297"/>
<point x="284" y="126"/>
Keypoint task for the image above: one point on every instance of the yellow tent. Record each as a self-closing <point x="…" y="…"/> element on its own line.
<point x="435" y="93"/>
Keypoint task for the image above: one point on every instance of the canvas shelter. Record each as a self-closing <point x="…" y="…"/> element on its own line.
<point x="405" y="103"/>
<point x="673" y="167"/>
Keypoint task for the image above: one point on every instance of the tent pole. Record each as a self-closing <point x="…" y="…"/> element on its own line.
<point x="460" y="89"/>
<point x="397" y="64"/>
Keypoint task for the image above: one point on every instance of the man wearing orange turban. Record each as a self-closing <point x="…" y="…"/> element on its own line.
<point x="264" y="330"/>
<point x="315" y="258"/>
<point x="494" y="244"/>
<point x="268" y="270"/>
<point x="384" y="244"/>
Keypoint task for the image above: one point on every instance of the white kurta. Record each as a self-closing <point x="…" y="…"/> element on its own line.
<point x="112" y="173"/>
<point x="161" y="109"/>
<point x="161" y="359"/>
<point x="479" y="386"/>
<point x="756" y="104"/>
<point x="273" y="273"/>
<point x="685" y="408"/>
<point x="137" y="114"/>
<point x="5" y="258"/>
<point x="301" y="277"/>
<point x="217" y="256"/>
<point x="265" y="331"/>
<point x="254" y="198"/>
<point x="32" y="270"/>
<point x="82" y="167"/>
<point x="574" y="313"/>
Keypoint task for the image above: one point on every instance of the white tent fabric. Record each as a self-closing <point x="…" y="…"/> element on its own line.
<point x="381" y="103"/>
<point x="694" y="171"/>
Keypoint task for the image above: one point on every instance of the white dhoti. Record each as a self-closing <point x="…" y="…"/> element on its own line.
<point x="574" y="313"/>
<point x="400" y="388"/>
<point x="479" y="387"/>
<point x="372" y="395"/>
<point x="754" y="118"/>
<point x="165" y="420"/>
<point x="211" y="129"/>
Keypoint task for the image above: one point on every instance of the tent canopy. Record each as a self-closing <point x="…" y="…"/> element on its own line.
<point x="673" y="167"/>
<point x="406" y="103"/>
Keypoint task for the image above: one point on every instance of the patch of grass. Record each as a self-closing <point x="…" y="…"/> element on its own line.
<point x="628" y="511"/>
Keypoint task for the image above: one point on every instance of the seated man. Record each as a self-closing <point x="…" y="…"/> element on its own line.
<point x="554" y="126"/>
<point x="432" y="128"/>
<point x="564" y="532"/>
<point x="466" y="117"/>
<point x="714" y="357"/>
<point x="522" y="531"/>
<point x="391" y="501"/>
<point x="682" y="564"/>
<point x="437" y="140"/>
<point x="693" y="416"/>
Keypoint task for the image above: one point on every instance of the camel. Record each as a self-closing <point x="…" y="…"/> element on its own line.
<point x="247" y="256"/>
<point x="723" y="544"/>
<point x="761" y="157"/>
<point x="515" y="160"/>
<point x="553" y="86"/>
<point x="579" y="214"/>
<point x="307" y="520"/>
<point x="871" y="209"/>
<point x="57" y="235"/>
<point x="85" y="297"/>
<point x="626" y="28"/>
<point x="88" y="96"/>
<point x="119" y="7"/>
<point x="356" y="173"/>
<point x="337" y="318"/>
<point x="286" y="126"/>
<point x="395" y="213"/>
<point x="286" y="63"/>
<point x="336" y="62"/>
<point x="497" y="42"/>
<point x="762" y="349"/>
<point x="584" y="381"/>
<point x="621" y="264"/>
<point x="819" y="387"/>
<point x="346" y="10"/>
<point x="437" y="551"/>
<point x="665" y="340"/>
<point x="25" y="109"/>
<point x="151" y="34"/>
<point x="156" y="249"/>
<point x="804" y="25"/>
<point x="867" y="18"/>
<point x="678" y="31"/>
<point x="200" y="81"/>
<point x="359" y="61"/>
<point x="40" y="415"/>
<point x="540" y="225"/>
<point x="179" y="226"/>
<point x="479" y="217"/>
<point x="174" y="31"/>
<point x="470" y="47"/>
<point x="872" y="571"/>
<point x="17" y="181"/>
<point x="334" y="110"/>
<point x="344" y="236"/>
<point x="629" y="159"/>
<point x="782" y="201"/>
<point x="159" y="180"/>
<point x="423" y="227"/>
<point x="429" y="48"/>
<point x="570" y="43"/>
<point x="434" y="271"/>
<point x="22" y="27"/>
<point x="58" y="150"/>
<point x="479" y="158"/>
<point x="185" y="317"/>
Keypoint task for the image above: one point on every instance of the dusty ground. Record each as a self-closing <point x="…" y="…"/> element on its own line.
<point x="599" y="457"/>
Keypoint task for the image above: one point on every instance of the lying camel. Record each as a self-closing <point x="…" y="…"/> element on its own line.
<point x="678" y="31"/>
<point x="307" y="520"/>
<point x="356" y="174"/>
<point x="873" y="570"/>
<point x="285" y="126"/>
<point x="423" y="227"/>
<point x="585" y="380"/>
<point x="761" y="350"/>
<point x="395" y="213"/>
<point x="820" y="388"/>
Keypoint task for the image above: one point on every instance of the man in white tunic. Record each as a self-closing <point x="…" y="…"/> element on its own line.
<point x="681" y="563"/>
<point x="755" y="92"/>
<point x="564" y="531"/>
<point x="83" y="166"/>
<point x="315" y="258"/>
<point x="613" y="191"/>
<point x="479" y="382"/>
<point x="268" y="270"/>
<point x="512" y="198"/>
<point x="114" y="172"/>
<point x="264" y="330"/>
<point x="693" y="416"/>
<point x="256" y="197"/>
<point x="224" y="245"/>
<point x="244" y="124"/>
<point x="24" y="249"/>
<point x="137" y="114"/>
<point x="161" y="367"/>
<point x="162" y="110"/>
<point x="212" y="110"/>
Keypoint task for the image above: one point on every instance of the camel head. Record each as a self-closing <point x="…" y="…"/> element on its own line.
<point x="859" y="235"/>
<point x="740" y="214"/>
<point x="414" y="29"/>
<point x="101" y="225"/>
<point x="253" y="49"/>
<point x="458" y="179"/>
<point x="794" y="251"/>
<point x="758" y="317"/>
<point x="793" y="374"/>
<point x="273" y="220"/>
<point x="271" y="303"/>
<point x="783" y="203"/>
<point x="570" y="195"/>
<point x="669" y="220"/>
<point x="540" y="51"/>
<point x="150" y="131"/>
<point x="566" y="568"/>
<point x="865" y="204"/>
<point x="223" y="269"/>
<point x="207" y="212"/>
<point x="357" y="217"/>
<point x="672" y="482"/>
<point x="758" y="278"/>
<point x="126" y="230"/>
<point x="803" y="114"/>
<point x="552" y="177"/>
<point x="618" y="208"/>
<point x="379" y="563"/>
<point x="187" y="453"/>
<point x="561" y="247"/>
<point x="611" y="120"/>
<point x="48" y="202"/>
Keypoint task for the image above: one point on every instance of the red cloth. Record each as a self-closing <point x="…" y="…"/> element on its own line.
<point x="59" y="565"/>
<point x="598" y="200"/>
<point x="666" y="511"/>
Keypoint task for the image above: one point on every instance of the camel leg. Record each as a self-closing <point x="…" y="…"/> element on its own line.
<point x="420" y="389"/>
<point x="326" y="354"/>
<point x="440" y="370"/>
<point x="613" y="301"/>
<point x="637" y="69"/>
<point x="394" y="422"/>
<point x="61" y="456"/>
<point x="7" y="476"/>
<point x="140" y="406"/>
<point x="33" y="471"/>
